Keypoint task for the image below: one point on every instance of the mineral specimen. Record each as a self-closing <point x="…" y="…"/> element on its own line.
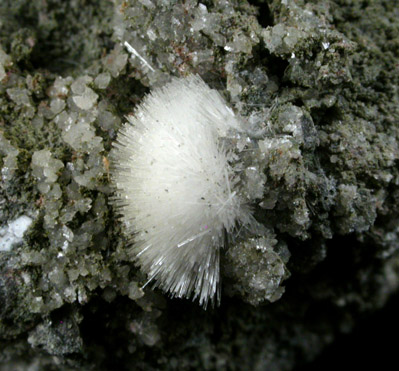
<point x="316" y="85"/>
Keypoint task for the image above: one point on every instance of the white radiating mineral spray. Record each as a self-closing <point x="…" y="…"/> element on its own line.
<point x="176" y="176"/>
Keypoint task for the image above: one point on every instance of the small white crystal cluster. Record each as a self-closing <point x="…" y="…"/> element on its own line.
<point x="45" y="169"/>
<point x="177" y="177"/>
<point x="13" y="233"/>
<point x="257" y="267"/>
<point x="10" y="159"/>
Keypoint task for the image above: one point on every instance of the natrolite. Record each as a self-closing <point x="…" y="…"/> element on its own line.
<point x="177" y="179"/>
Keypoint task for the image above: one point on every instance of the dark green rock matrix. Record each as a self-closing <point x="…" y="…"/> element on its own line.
<point x="317" y="83"/>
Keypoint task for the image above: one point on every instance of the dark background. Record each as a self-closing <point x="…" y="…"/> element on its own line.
<point x="373" y="344"/>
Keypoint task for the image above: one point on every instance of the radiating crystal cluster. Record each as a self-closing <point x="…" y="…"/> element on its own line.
<point x="178" y="186"/>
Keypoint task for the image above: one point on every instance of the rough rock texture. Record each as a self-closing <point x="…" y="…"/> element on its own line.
<point x="317" y="84"/>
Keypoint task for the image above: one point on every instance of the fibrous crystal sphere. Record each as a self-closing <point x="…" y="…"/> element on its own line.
<point x="177" y="179"/>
